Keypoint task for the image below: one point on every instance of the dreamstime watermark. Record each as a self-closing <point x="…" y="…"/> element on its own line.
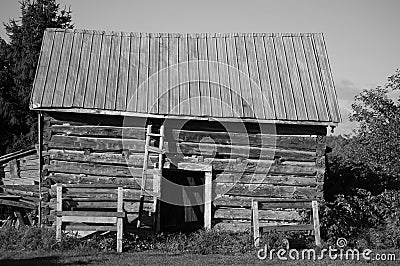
<point x="339" y="252"/>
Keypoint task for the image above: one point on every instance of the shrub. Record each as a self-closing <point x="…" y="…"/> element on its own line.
<point x="363" y="219"/>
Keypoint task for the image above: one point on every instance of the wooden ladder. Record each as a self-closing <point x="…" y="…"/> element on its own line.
<point x="157" y="173"/>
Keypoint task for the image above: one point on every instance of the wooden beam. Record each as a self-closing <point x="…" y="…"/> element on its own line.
<point x="255" y="223"/>
<point x="315" y="218"/>
<point x="120" y="221"/>
<point x="207" y="200"/>
<point x="59" y="209"/>
<point x="40" y="170"/>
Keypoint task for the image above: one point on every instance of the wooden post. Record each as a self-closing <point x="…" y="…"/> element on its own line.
<point x="207" y="199"/>
<point x="40" y="152"/>
<point x="315" y="216"/>
<point x="256" y="225"/>
<point x="120" y="219"/>
<point x="59" y="209"/>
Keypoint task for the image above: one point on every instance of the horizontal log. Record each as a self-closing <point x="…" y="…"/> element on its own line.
<point x="234" y="151"/>
<point x="241" y="226"/>
<point x="262" y="166"/>
<point x="245" y="214"/>
<point x="129" y="194"/>
<point x="95" y="144"/>
<point x="247" y="139"/>
<point x="18" y="204"/>
<point x="89" y="219"/>
<point x="264" y="203"/>
<point x="94" y="169"/>
<point x="128" y="206"/>
<point x="287" y="228"/>
<point x="267" y="179"/>
<point x="91" y="213"/>
<point x="135" y="159"/>
<point x="266" y="190"/>
<point x="132" y="182"/>
<point x="84" y="227"/>
<point x="251" y="166"/>
<point x="99" y="131"/>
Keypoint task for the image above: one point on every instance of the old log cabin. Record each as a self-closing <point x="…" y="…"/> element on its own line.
<point x="233" y="117"/>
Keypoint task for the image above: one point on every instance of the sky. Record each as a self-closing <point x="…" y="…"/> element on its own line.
<point x="362" y="36"/>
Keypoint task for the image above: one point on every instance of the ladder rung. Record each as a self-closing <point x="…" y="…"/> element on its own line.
<point x="154" y="135"/>
<point x="155" y="149"/>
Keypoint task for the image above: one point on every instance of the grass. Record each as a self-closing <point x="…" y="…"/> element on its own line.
<point x="37" y="246"/>
<point x="158" y="258"/>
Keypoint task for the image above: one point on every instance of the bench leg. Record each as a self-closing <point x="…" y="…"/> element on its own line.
<point x="256" y="225"/>
<point x="316" y="223"/>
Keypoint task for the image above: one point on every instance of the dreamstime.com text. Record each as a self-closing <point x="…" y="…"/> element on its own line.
<point x="340" y="252"/>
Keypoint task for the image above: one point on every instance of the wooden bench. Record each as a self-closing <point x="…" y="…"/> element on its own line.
<point x="102" y="209"/>
<point x="313" y="227"/>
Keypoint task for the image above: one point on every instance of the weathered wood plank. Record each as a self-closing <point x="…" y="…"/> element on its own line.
<point x="266" y="190"/>
<point x="245" y="214"/>
<point x="99" y="131"/>
<point x="93" y="169"/>
<point x="17" y="204"/>
<point x="96" y="144"/>
<point x="88" y="219"/>
<point x="245" y="202"/>
<point x="91" y="213"/>
<point x="235" y="138"/>
<point x="230" y="151"/>
<point x="135" y="159"/>
<point x="267" y="179"/>
<point x="65" y="178"/>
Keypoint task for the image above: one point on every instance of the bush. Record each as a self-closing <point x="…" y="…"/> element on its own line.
<point x="363" y="219"/>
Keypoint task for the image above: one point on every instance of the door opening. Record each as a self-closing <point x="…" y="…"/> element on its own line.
<point x="182" y="208"/>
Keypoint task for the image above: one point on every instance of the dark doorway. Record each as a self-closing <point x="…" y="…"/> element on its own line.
<point x="182" y="208"/>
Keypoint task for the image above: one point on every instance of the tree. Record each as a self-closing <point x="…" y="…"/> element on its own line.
<point x="18" y="61"/>
<point x="378" y="135"/>
<point x="371" y="158"/>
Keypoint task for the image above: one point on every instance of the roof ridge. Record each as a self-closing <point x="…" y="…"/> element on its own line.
<point x="189" y="35"/>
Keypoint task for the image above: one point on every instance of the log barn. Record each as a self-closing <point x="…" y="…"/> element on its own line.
<point x="200" y="124"/>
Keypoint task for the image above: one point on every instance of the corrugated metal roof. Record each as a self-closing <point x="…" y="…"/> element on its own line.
<point x="283" y="77"/>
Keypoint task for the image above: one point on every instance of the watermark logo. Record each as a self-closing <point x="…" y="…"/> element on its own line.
<point x="338" y="252"/>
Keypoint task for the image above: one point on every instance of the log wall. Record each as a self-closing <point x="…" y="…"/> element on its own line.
<point x="245" y="165"/>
